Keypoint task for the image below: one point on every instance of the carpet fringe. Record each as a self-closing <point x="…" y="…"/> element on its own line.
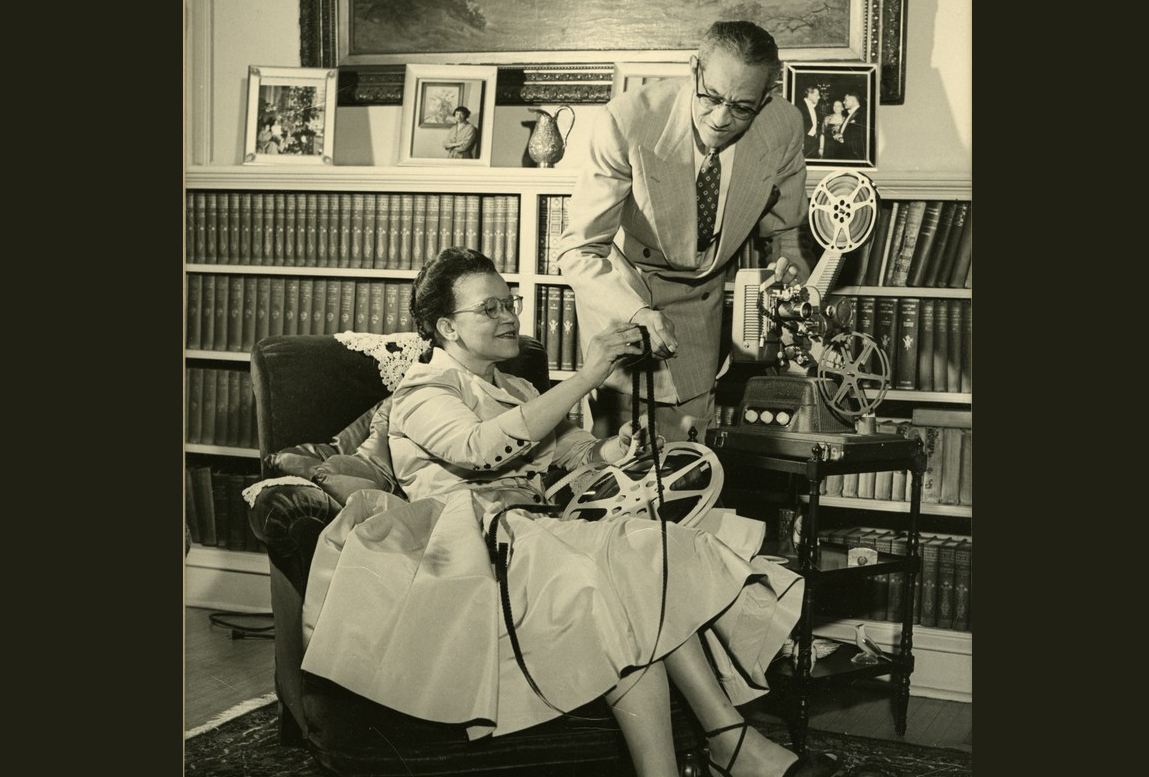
<point x="240" y="709"/>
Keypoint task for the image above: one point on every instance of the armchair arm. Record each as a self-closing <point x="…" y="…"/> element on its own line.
<point x="288" y="519"/>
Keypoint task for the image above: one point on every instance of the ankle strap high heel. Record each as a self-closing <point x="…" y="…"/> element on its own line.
<point x="725" y="771"/>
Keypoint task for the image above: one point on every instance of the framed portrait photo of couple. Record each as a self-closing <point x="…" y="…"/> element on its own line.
<point x="290" y="116"/>
<point x="448" y="115"/>
<point x="838" y="103"/>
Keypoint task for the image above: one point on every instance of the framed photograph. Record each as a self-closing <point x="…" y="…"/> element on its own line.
<point x="439" y="100"/>
<point x="628" y="75"/>
<point x="838" y="104"/>
<point x="448" y="115"/>
<point x="290" y="116"/>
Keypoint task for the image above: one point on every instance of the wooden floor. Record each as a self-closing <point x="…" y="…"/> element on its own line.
<point x="222" y="672"/>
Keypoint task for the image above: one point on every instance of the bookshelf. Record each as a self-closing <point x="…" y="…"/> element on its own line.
<point x="533" y="190"/>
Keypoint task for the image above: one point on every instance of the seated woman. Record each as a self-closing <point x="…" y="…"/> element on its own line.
<point x="403" y="605"/>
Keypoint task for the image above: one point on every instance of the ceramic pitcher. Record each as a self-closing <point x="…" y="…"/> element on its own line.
<point x="546" y="145"/>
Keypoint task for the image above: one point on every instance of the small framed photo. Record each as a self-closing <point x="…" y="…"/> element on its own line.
<point x="629" y="75"/>
<point x="448" y="115"/>
<point x="290" y="116"/>
<point x="838" y="103"/>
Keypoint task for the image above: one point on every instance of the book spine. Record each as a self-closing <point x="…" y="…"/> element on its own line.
<point x="306" y="306"/>
<point x="319" y="305"/>
<point x="406" y="223"/>
<point x="886" y="331"/>
<point x="222" y="311"/>
<point x="859" y="259"/>
<point x="322" y="228"/>
<point x="471" y="222"/>
<point x="280" y="249"/>
<point x="963" y="566"/>
<point x="567" y="346"/>
<point x="257" y="228"/>
<point x="431" y="230"/>
<point x="290" y="211"/>
<point x="262" y="307"/>
<point x="223" y="434"/>
<point x="370" y="206"/>
<point x="953" y="353"/>
<point x="512" y="234"/>
<point x="234" y="405"/>
<point x="207" y="314"/>
<point x="941" y="343"/>
<point x="201" y="231"/>
<point x="245" y="228"/>
<point x="347" y="296"/>
<point x="881" y="243"/>
<point x="194" y="311"/>
<point x="191" y="520"/>
<point x="223" y="232"/>
<point x="235" y="227"/>
<point x="965" y="481"/>
<point x="880" y="592"/>
<point x="951" y="466"/>
<point x="296" y="229"/>
<point x="929" y="613"/>
<point x="965" y="381"/>
<point x="542" y="264"/>
<point x="204" y="505"/>
<point x="896" y="580"/>
<point x="446" y="221"/>
<point x="926" y="317"/>
<point x="908" y="344"/>
<point x="486" y="228"/>
<point x="867" y="307"/>
<point x="404" y="323"/>
<point x="291" y="307"/>
<point x="207" y="409"/>
<point x="923" y="247"/>
<point x="945" y="587"/>
<point x="361" y="304"/>
<point x="390" y="307"/>
<point x="211" y="244"/>
<point x="276" y="308"/>
<point x="418" y="230"/>
<point x="269" y="219"/>
<point x="355" y="247"/>
<point x="909" y="239"/>
<point x="383" y="232"/>
<point x="553" y="341"/>
<point x="195" y="405"/>
<point x="332" y="312"/>
<point x="894" y="247"/>
<point x="963" y="258"/>
<point x="335" y="224"/>
<point x="236" y="512"/>
<point x="235" y="313"/>
<point x="931" y="478"/>
<point x="375" y="307"/>
<point x="499" y="231"/>
<point x="554" y="233"/>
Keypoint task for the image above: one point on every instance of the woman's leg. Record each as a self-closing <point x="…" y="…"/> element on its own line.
<point x="692" y="676"/>
<point x="641" y="705"/>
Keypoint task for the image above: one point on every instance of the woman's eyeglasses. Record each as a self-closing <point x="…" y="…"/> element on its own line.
<point x="740" y="111"/>
<point x="492" y="305"/>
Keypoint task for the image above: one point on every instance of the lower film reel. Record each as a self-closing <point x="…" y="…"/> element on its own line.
<point x="854" y="374"/>
<point x="691" y="480"/>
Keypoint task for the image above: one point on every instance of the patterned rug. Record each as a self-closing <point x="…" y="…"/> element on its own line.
<point x="245" y="744"/>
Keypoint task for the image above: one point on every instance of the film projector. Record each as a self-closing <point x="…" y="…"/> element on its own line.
<point x="827" y="374"/>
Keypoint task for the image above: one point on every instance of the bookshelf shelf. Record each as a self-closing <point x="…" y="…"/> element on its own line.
<point x="229" y="356"/>
<point x="930" y="396"/>
<point x="906" y="291"/>
<point x="884" y="505"/>
<point x="221" y="450"/>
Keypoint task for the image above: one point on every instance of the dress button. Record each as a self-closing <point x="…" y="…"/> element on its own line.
<point x="521" y="443"/>
<point x="498" y="458"/>
<point x="537" y="498"/>
<point x="508" y="449"/>
<point x="706" y="295"/>
<point x="486" y="466"/>
<point x="646" y="253"/>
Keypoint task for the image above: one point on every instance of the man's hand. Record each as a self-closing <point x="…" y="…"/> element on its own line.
<point x="663" y="343"/>
<point x="787" y="272"/>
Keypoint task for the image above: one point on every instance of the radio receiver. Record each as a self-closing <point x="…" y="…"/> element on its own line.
<point x="826" y="374"/>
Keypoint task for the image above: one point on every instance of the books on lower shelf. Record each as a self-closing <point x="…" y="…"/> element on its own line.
<point x="557" y="327"/>
<point x="942" y="592"/>
<point x="221" y="407"/>
<point x="259" y="306"/>
<point x="916" y="243"/>
<point x="217" y="515"/>
<point x="342" y="229"/>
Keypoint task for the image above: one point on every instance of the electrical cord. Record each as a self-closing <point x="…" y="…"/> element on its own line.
<point x="240" y="630"/>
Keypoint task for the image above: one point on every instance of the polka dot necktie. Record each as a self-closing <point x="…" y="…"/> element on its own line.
<point x="709" y="177"/>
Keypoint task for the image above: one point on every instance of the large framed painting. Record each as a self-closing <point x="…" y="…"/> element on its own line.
<point x="359" y="36"/>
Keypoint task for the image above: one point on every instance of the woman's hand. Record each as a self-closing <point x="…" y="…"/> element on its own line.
<point x="608" y="349"/>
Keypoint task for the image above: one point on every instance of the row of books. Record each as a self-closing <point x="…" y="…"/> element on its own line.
<point x="217" y="514"/>
<point x="942" y="592"/>
<point x="929" y="342"/>
<point x="553" y="217"/>
<point x="926" y="243"/>
<point x="233" y="312"/>
<point x="356" y="230"/>
<point x="557" y="327"/>
<point x="221" y="407"/>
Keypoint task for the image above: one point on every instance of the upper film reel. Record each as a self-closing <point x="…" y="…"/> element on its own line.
<point x="843" y="210"/>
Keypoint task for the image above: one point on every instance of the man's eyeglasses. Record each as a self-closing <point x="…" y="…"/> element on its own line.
<point x="740" y="111"/>
<point x="492" y="305"/>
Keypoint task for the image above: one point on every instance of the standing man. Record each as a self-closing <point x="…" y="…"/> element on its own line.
<point x="854" y="127"/>
<point x="678" y="176"/>
<point x="810" y="123"/>
<point x="461" y="140"/>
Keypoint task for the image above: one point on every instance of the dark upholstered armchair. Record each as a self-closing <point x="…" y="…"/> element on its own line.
<point x="308" y="389"/>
